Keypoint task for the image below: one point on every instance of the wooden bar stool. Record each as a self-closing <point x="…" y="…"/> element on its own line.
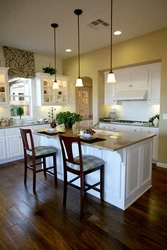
<point x="81" y="166"/>
<point x="33" y="154"/>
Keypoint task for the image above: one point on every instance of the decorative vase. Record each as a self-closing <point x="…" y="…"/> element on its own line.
<point x="155" y="122"/>
<point x="68" y="125"/>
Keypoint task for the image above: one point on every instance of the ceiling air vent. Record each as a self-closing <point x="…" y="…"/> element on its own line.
<point x="97" y="24"/>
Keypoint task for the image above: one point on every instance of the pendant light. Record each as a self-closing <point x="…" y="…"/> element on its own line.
<point x="55" y="83"/>
<point x="111" y="76"/>
<point x="79" y="82"/>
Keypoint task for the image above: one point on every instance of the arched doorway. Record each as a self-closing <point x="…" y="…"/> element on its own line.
<point x="84" y="104"/>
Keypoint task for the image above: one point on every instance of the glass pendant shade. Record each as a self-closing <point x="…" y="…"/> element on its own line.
<point x="111" y="77"/>
<point x="79" y="83"/>
<point x="55" y="85"/>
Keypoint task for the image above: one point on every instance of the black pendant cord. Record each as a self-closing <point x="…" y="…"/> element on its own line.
<point x="78" y="12"/>
<point x="111" y="41"/>
<point x="55" y="51"/>
<point x="78" y="49"/>
<point x="55" y="25"/>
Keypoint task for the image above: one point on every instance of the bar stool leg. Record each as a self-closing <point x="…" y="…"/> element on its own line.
<point x="55" y="168"/>
<point x="102" y="183"/>
<point x="44" y="166"/>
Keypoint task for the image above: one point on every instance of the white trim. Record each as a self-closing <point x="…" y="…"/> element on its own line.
<point x="162" y="165"/>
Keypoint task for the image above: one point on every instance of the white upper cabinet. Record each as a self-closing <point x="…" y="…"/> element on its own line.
<point x="45" y="95"/>
<point x="3" y="86"/>
<point x="146" y="77"/>
<point x="131" y="78"/>
<point x="154" y="83"/>
<point x="123" y="79"/>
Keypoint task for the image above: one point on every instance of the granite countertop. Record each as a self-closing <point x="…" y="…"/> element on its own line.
<point x="113" y="140"/>
<point x="23" y="125"/>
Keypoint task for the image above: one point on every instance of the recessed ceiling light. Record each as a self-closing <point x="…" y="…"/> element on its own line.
<point x="68" y="50"/>
<point x="117" y="33"/>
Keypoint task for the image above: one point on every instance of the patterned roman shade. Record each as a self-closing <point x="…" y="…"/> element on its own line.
<point x="20" y="63"/>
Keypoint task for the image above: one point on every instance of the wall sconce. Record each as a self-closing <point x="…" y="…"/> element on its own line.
<point x="111" y="76"/>
<point x="55" y="83"/>
<point x="79" y="82"/>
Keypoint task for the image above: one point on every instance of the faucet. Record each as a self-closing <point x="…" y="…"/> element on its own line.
<point x="95" y="125"/>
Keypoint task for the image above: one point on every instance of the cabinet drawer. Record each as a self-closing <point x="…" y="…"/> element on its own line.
<point x="150" y="130"/>
<point x="12" y="131"/>
<point x="132" y="128"/>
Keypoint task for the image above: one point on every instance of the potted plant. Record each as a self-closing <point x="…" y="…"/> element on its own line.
<point x="68" y="119"/>
<point x="49" y="70"/>
<point x="20" y="111"/>
<point x="154" y="120"/>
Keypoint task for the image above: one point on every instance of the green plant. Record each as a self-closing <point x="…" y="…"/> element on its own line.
<point x="20" y="111"/>
<point x="67" y="118"/>
<point x="49" y="70"/>
<point x="153" y="117"/>
<point x="13" y="110"/>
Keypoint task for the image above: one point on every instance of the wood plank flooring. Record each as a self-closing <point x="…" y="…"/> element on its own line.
<point x="41" y="222"/>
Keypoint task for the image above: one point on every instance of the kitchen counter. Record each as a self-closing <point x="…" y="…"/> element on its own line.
<point x="113" y="140"/>
<point x="128" y="163"/>
<point x="23" y="125"/>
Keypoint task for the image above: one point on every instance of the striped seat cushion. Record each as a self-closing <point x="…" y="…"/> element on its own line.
<point x="42" y="150"/>
<point x="89" y="162"/>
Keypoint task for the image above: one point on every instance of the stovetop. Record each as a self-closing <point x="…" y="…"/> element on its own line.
<point x="131" y="122"/>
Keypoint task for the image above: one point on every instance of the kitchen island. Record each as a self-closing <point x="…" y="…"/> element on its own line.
<point x="128" y="163"/>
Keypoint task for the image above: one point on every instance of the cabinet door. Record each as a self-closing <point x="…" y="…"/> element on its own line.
<point x="132" y="78"/>
<point x="123" y="79"/>
<point x="14" y="146"/>
<point x="14" y="143"/>
<point x="146" y="166"/>
<point x="139" y="77"/>
<point x="133" y="169"/>
<point x="155" y="141"/>
<point x="2" y="145"/>
<point x="109" y="91"/>
<point x="3" y="86"/>
<point x="45" y="95"/>
<point x="154" y="84"/>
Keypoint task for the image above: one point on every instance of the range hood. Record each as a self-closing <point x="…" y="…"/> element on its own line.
<point x="131" y="95"/>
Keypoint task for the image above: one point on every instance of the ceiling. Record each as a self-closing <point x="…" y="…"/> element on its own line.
<point x="26" y="24"/>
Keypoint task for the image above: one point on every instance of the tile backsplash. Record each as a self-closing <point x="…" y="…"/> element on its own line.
<point x="136" y="110"/>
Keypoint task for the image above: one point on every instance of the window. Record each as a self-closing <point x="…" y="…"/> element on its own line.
<point x="20" y="95"/>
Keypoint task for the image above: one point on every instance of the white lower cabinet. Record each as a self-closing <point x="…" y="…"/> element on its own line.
<point x="133" y="169"/>
<point x="150" y="130"/>
<point x="104" y="125"/>
<point x="13" y="143"/>
<point x="11" y="147"/>
<point x="138" y="171"/>
<point x="2" y="145"/>
<point x="155" y="140"/>
<point x="110" y="126"/>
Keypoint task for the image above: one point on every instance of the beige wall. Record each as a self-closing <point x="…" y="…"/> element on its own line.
<point x="142" y="50"/>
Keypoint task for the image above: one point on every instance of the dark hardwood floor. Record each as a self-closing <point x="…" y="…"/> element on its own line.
<point x="41" y="222"/>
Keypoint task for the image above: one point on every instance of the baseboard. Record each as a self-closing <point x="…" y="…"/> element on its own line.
<point x="162" y="165"/>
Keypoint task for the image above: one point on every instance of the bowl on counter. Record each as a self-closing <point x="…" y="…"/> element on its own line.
<point x="51" y="130"/>
<point x="86" y="136"/>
